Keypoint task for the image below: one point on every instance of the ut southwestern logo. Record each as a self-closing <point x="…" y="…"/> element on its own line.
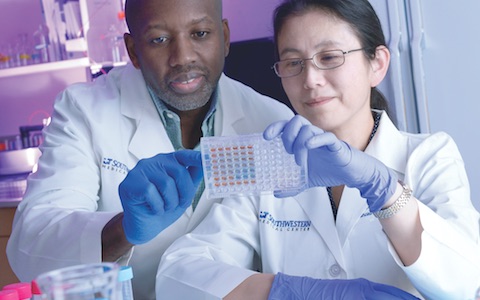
<point x="283" y="225"/>
<point x="114" y="165"/>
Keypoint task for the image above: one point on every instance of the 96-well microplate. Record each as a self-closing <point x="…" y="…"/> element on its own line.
<point x="249" y="164"/>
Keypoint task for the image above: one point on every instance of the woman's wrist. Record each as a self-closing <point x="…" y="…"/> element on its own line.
<point x="394" y="197"/>
<point x="399" y="199"/>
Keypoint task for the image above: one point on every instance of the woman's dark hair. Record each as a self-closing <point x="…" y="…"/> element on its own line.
<point x="358" y="13"/>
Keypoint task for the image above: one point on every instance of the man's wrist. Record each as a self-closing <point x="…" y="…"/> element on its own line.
<point x="114" y="241"/>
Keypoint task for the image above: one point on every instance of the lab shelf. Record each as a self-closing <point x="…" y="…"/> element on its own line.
<point x="45" y="67"/>
<point x="95" y="68"/>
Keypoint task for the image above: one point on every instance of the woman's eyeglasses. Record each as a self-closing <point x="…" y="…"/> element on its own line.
<point x="325" y="60"/>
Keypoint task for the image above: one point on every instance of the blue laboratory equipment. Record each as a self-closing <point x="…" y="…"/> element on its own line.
<point x="125" y="276"/>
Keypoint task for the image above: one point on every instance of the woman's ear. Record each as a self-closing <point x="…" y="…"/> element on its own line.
<point x="380" y="65"/>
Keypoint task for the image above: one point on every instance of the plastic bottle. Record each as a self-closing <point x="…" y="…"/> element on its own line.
<point x="122" y="27"/>
<point x="115" y="41"/>
<point x="9" y="295"/>
<point x="24" y="289"/>
<point x="125" y="275"/>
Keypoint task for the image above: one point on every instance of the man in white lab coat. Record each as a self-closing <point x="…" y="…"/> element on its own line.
<point x="173" y="93"/>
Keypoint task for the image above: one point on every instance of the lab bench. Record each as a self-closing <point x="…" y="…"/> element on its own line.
<point x="15" y="166"/>
<point x="7" y="211"/>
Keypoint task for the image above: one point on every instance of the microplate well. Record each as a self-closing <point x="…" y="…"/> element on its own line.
<point x="249" y="164"/>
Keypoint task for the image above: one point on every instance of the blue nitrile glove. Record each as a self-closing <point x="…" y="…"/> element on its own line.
<point x="332" y="162"/>
<point x="157" y="191"/>
<point x="286" y="287"/>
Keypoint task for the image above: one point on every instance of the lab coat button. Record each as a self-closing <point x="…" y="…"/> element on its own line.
<point x="335" y="270"/>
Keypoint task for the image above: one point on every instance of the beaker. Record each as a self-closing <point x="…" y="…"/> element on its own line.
<point x="81" y="282"/>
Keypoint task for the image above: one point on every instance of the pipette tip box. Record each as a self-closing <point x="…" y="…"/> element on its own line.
<point x="249" y="165"/>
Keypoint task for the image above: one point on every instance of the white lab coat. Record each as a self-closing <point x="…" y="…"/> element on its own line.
<point x="298" y="235"/>
<point x="99" y="131"/>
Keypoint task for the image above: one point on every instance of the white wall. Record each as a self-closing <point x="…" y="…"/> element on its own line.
<point x="27" y="99"/>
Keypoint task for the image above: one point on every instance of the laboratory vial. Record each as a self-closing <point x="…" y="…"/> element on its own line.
<point x="125" y="275"/>
<point x="24" y="289"/>
<point x="249" y="165"/>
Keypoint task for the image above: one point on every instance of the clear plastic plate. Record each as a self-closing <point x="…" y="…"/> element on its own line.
<point x="250" y="165"/>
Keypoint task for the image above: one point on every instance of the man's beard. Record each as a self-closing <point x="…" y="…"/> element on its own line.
<point x="187" y="102"/>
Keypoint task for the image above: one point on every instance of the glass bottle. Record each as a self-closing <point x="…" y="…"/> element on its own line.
<point x="40" y="38"/>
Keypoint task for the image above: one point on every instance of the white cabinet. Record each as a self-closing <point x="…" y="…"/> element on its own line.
<point x="27" y="92"/>
<point x="92" y="28"/>
<point x="78" y="33"/>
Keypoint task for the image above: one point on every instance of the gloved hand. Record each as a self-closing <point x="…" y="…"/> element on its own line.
<point x="157" y="191"/>
<point x="287" y="287"/>
<point x="331" y="162"/>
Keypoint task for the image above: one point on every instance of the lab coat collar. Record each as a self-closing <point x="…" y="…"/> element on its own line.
<point x="389" y="145"/>
<point x="230" y="111"/>
<point x="136" y="104"/>
<point x="348" y="218"/>
<point x="228" y="121"/>
<point x="228" y="117"/>
<point x="316" y="204"/>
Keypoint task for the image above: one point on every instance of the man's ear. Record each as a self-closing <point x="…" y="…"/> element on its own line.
<point x="226" y="36"/>
<point x="130" y="45"/>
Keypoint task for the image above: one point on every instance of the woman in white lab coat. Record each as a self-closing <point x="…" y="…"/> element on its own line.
<point x="385" y="205"/>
